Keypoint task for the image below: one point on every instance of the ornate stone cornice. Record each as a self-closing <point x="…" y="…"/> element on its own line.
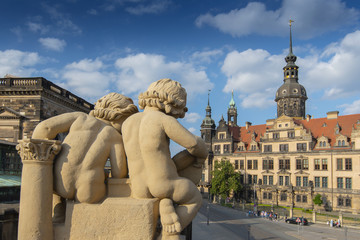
<point x="38" y="150"/>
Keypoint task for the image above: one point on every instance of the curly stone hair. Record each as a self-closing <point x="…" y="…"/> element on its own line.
<point x="114" y="106"/>
<point x="167" y="95"/>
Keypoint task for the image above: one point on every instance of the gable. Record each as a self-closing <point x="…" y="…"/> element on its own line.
<point x="6" y="112"/>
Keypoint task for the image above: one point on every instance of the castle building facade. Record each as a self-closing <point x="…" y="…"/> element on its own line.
<point x="290" y="159"/>
<point x="24" y="102"/>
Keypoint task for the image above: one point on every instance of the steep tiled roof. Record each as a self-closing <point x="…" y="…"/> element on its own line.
<point x="318" y="127"/>
<point x="326" y="127"/>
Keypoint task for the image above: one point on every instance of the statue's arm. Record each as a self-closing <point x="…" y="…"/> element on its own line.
<point x="49" y="128"/>
<point x="118" y="160"/>
<point x="194" y="144"/>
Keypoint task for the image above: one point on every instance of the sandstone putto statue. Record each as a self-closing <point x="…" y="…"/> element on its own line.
<point x="137" y="145"/>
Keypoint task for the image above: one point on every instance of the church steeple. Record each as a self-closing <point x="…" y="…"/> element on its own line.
<point x="208" y="125"/>
<point x="291" y="96"/>
<point x="232" y="111"/>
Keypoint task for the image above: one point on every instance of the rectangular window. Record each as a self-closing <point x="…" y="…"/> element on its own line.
<point x="265" y="195"/>
<point x="317" y="164"/>
<point x="304" y="198"/>
<point x="283" y="197"/>
<point x="298" y="181"/>
<point x="276" y="135"/>
<point x="324" y="182"/>
<point x="217" y="148"/>
<point x="287" y="180"/>
<point x="302" y="164"/>
<point x="339" y="164"/>
<point x="270" y="195"/>
<point x="291" y="134"/>
<point x="348" y="202"/>
<point x="340" y="201"/>
<point x="265" y="182"/>
<point x="305" y="164"/>
<point x="348" y="164"/>
<point x="249" y="164"/>
<point x="250" y="181"/>
<point x="255" y="179"/>
<point x="317" y="181"/>
<point x="255" y="164"/>
<point x="324" y="164"/>
<point x="267" y="148"/>
<point x="271" y="180"/>
<point x="221" y="135"/>
<point x="236" y="164"/>
<point x="348" y="183"/>
<point x="298" y="198"/>
<point x="305" y="181"/>
<point x="281" y="164"/>
<point x="281" y="180"/>
<point x="298" y="164"/>
<point x="284" y="147"/>
<point x="287" y="164"/>
<point x="241" y="164"/>
<point x="340" y="183"/>
<point x="301" y="146"/>
<point x="268" y="164"/>
<point x="226" y="148"/>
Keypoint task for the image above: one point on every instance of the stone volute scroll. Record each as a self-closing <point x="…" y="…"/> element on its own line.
<point x="36" y="188"/>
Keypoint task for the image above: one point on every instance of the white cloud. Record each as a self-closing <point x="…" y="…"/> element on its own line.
<point x="18" y="63"/>
<point x="136" y="72"/>
<point x="253" y="75"/>
<point x="37" y="27"/>
<point x="352" y="108"/>
<point x="53" y="44"/>
<point x="335" y="71"/>
<point x="192" y="130"/>
<point x="87" y="78"/>
<point x="154" y="7"/>
<point x="192" y="117"/>
<point x="312" y="18"/>
<point x="206" y="56"/>
<point x="61" y="22"/>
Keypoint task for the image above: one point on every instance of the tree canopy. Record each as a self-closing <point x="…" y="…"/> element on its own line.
<point x="225" y="180"/>
<point x="317" y="200"/>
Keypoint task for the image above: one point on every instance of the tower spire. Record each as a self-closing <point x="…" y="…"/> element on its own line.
<point x="290" y="48"/>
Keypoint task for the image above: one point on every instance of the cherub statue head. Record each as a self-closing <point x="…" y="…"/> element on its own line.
<point x="167" y="95"/>
<point x="114" y="107"/>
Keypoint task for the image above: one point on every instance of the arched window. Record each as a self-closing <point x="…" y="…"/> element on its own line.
<point x="321" y="144"/>
<point x="324" y="144"/>
<point x="339" y="143"/>
<point x="343" y="143"/>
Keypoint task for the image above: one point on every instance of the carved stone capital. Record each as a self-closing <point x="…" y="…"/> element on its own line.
<point x="38" y="150"/>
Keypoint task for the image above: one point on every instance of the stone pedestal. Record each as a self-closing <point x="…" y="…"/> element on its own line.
<point x="115" y="218"/>
<point x="118" y="217"/>
<point x="36" y="188"/>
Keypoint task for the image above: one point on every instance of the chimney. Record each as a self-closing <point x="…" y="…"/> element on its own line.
<point x="332" y="115"/>
<point x="247" y="125"/>
<point x="308" y="117"/>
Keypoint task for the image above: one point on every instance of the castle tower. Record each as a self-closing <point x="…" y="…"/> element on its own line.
<point x="208" y="126"/>
<point x="291" y="96"/>
<point x="232" y="112"/>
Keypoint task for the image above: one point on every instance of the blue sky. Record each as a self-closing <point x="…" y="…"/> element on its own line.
<point x="93" y="47"/>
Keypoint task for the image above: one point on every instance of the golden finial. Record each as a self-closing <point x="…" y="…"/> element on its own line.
<point x="290" y="21"/>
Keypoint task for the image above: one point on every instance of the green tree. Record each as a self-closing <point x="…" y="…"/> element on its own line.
<point x="225" y="179"/>
<point x="317" y="200"/>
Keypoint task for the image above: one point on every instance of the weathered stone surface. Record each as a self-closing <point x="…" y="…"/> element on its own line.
<point x="115" y="218"/>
